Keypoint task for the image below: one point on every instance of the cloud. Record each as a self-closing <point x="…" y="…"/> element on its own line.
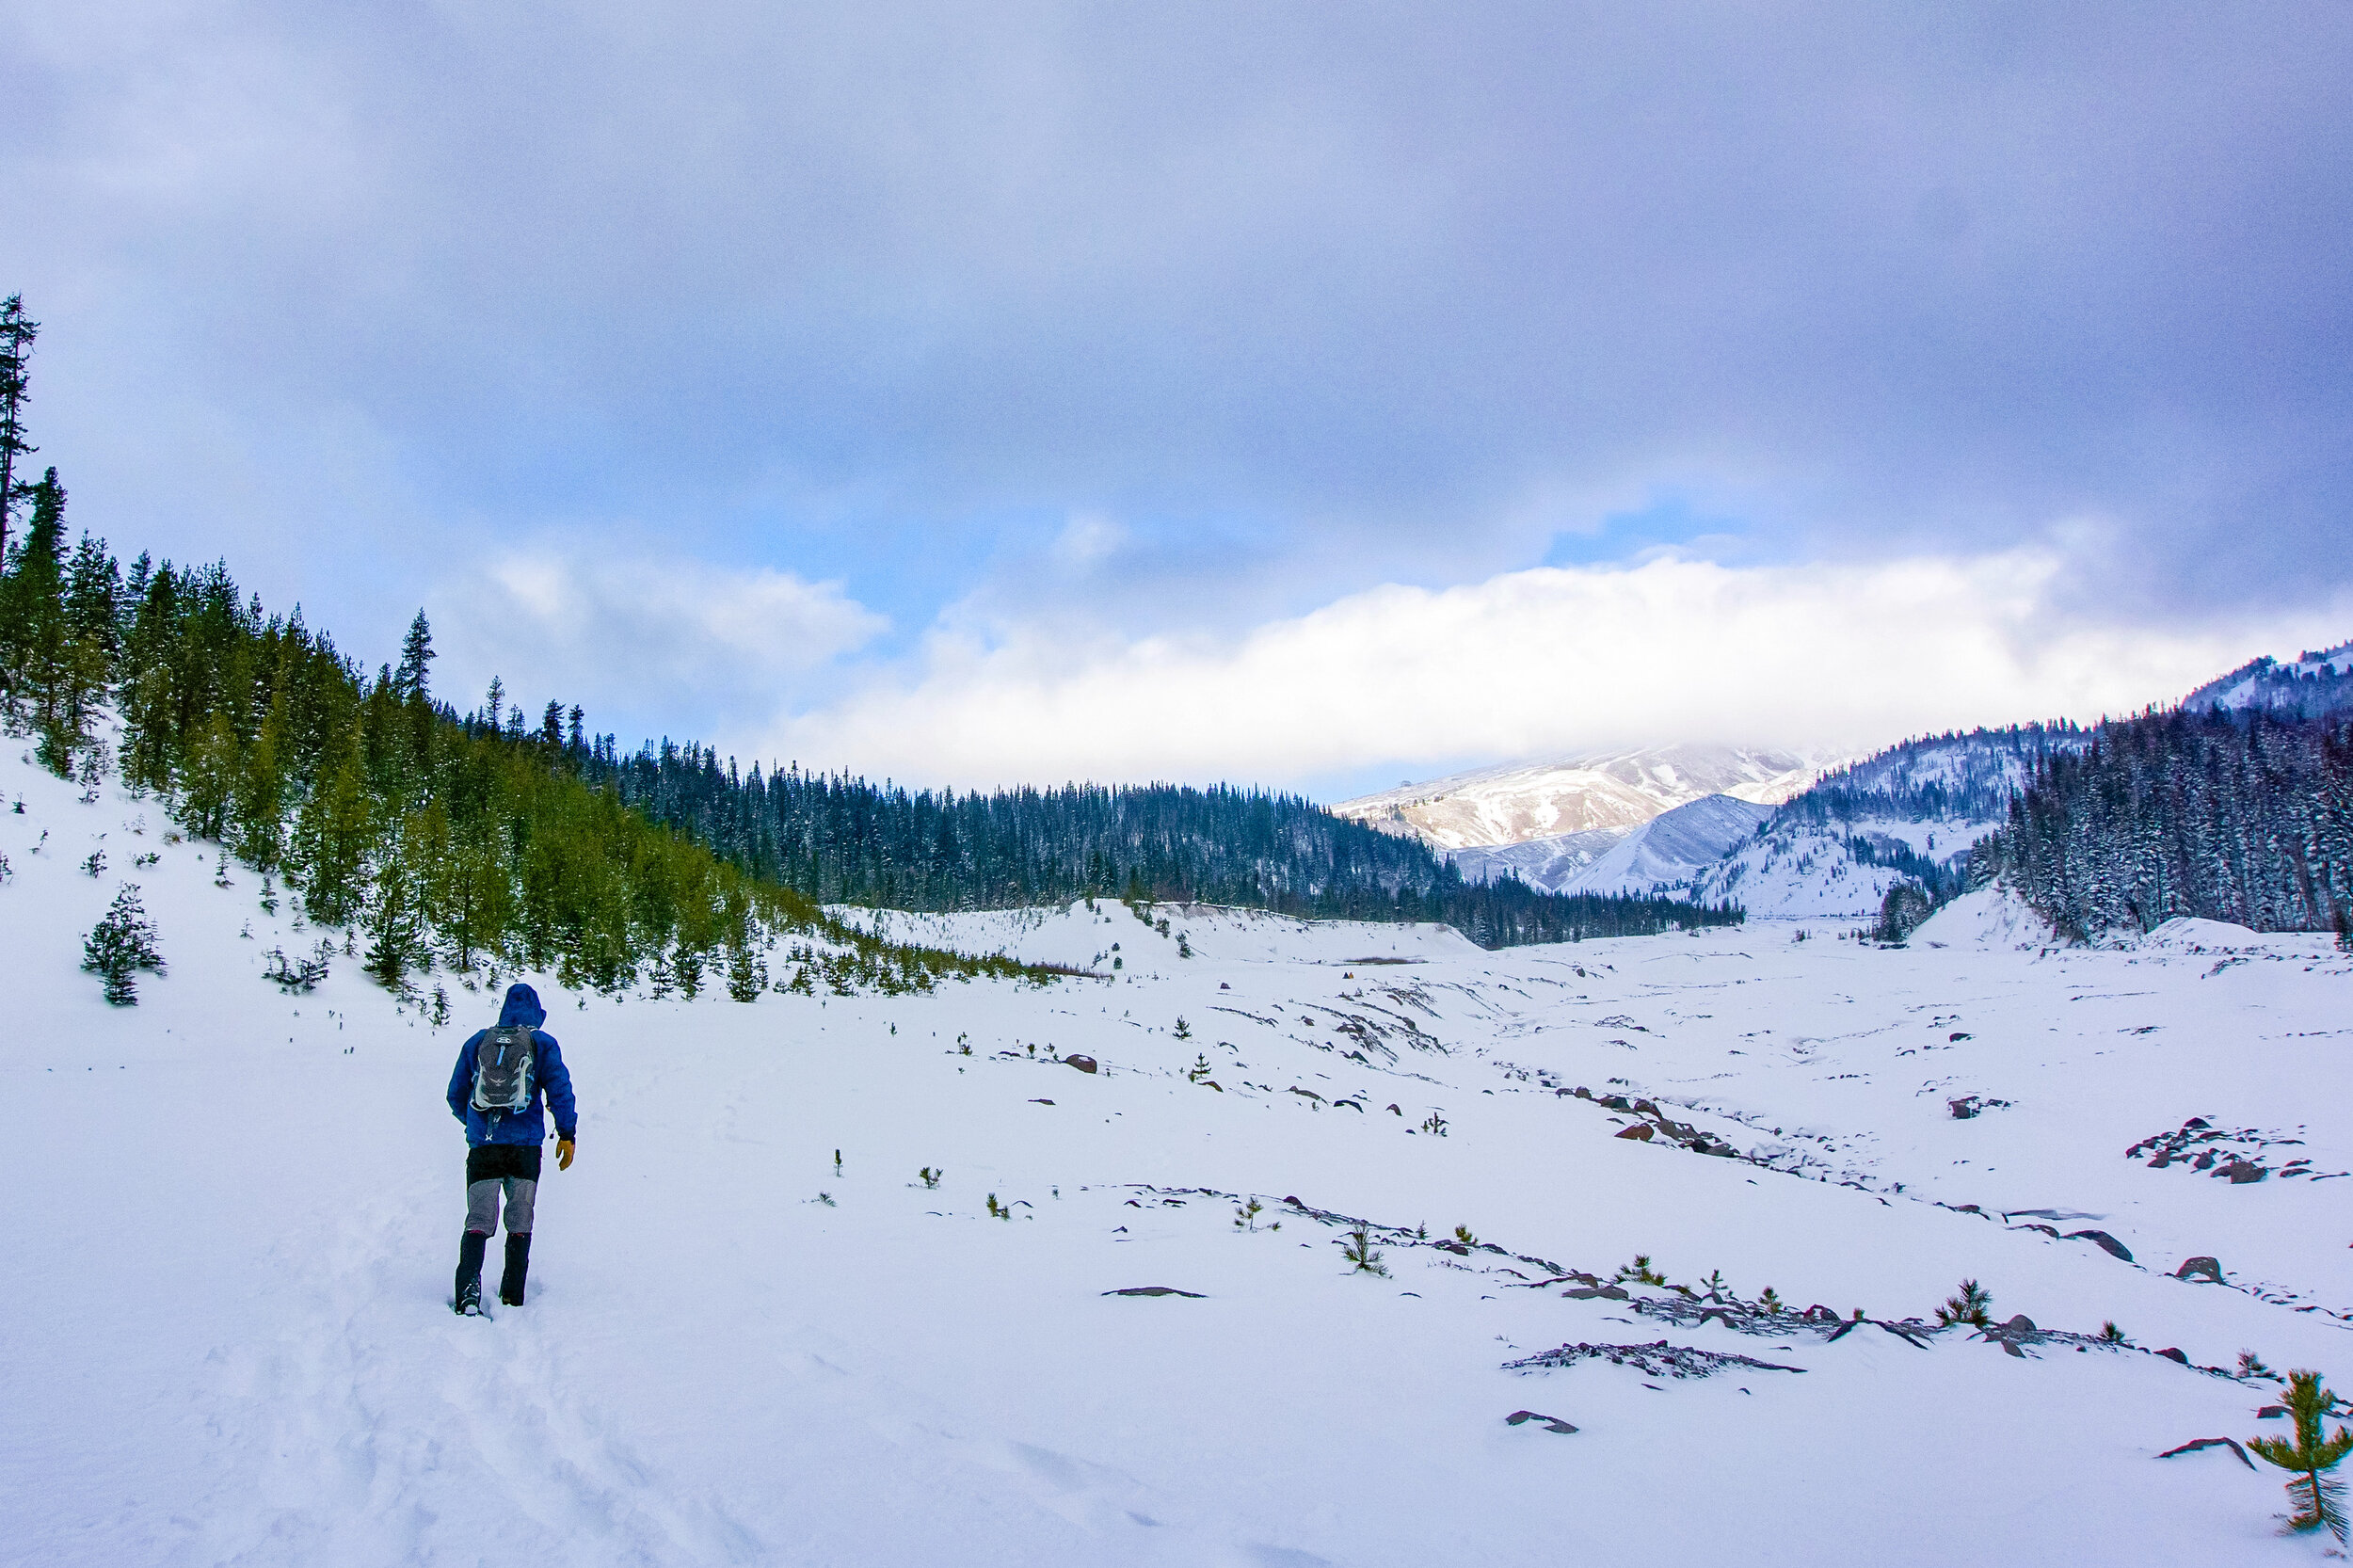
<point x="1391" y="293"/>
<point x="639" y="638"/>
<point x="1529" y="663"/>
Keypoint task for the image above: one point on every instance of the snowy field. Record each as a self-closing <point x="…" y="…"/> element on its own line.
<point x="233" y="1216"/>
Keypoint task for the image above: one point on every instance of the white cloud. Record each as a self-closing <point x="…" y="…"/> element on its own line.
<point x="1529" y="663"/>
<point x="639" y="635"/>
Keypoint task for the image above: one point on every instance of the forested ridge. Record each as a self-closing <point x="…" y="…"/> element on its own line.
<point x="2239" y="817"/>
<point x="480" y="838"/>
<point x="844" y="839"/>
<point x="473" y="843"/>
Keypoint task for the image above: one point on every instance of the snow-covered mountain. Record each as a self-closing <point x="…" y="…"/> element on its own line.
<point x="1612" y="792"/>
<point x="2310" y="685"/>
<point x="1911" y="812"/>
<point x="1663" y="855"/>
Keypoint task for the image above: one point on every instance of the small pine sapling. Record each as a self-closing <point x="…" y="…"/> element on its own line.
<point x="1199" y="1070"/>
<point x="1462" y="1234"/>
<point x="2345" y="920"/>
<point x="1970" y="1306"/>
<point x="827" y="1198"/>
<point x="929" y="1178"/>
<point x="1435" y="1124"/>
<point x="1184" y="948"/>
<point x="836" y="1163"/>
<point x="440" y="1007"/>
<point x="1770" y="1303"/>
<point x="2318" y="1497"/>
<point x="220" y="871"/>
<point x="95" y="864"/>
<point x="1639" y="1273"/>
<point x="1246" y="1215"/>
<point x="5" y="872"/>
<point x="1183" y="1030"/>
<point x="999" y="1210"/>
<point x="2252" y="1366"/>
<point x="1363" y="1256"/>
<point x="269" y="896"/>
<point x="2111" y="1335"/>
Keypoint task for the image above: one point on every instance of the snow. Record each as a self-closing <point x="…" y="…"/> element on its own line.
<point x="234" y="1215"/>
<point x="1612" y="792"/>
<point x="1987" y="918"/>
<point x="2311" y="684"/>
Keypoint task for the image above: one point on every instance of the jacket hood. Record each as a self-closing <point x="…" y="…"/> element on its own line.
<point x="521" y="1007"/>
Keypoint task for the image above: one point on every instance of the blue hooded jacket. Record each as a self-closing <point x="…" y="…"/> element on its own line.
<point x="529" y="1125"/>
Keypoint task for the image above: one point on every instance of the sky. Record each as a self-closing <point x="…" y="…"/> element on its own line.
<point x="1310" y="395"/>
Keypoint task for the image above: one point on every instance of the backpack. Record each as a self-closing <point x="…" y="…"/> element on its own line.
<point x="505" y="1065"/>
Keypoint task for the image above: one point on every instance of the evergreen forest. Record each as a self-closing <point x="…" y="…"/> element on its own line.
<point x="845" y="840"/>
<point x="474" y="843"/>
<point x="2239" y="817"/>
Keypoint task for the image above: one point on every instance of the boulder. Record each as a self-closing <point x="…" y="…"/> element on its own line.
<point x="1639" y="1133"/>
<point x="2173" y="1352"/>
<point x="2109" y="1243"/>
<point x="1084" y="1064"/>
<point x="2200" y="1268"/>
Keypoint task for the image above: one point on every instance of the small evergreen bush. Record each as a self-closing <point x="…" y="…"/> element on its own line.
<point x="1363" y="1256"/>
<point x="1970" y="1306"/>
<point x="122" y="944"/>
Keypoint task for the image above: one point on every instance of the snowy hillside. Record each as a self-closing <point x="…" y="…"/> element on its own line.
<point x="1662" y="855"/>
<point x="2313" y="684"/>
<point x="1833" y="852"/>
<point x="1608" y="793"/>
<point x="758" y="1335"/>
<point x="1539" y="863"/>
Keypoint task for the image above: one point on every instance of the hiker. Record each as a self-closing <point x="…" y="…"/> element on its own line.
<point x="501" y="1073"/>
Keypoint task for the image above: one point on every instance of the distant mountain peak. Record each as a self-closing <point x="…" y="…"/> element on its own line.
<point x="2311" y="685"/>
<point x="1603" y="793"/>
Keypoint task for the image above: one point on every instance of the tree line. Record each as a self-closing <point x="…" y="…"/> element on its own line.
<point x="431" y="838"/>
<point x="843" y="839"/>
<point x="2245" y="817"/>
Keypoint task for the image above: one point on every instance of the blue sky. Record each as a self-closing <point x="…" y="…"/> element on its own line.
<point x="973" y="394"/>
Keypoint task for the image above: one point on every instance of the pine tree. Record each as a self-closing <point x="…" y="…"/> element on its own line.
<point x="2318" y="1497"/>
<point x="258" y="799"/>
<point x="208" y="782"/>
<point x="122" y="944"/>
<point x="393" y="916"/>
<point x="416" y="653"/>
<point x="17" y="332"/>
<point x="332" y="839"/>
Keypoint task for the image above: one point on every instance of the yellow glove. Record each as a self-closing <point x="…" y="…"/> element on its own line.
<point x="563" y="1154"/>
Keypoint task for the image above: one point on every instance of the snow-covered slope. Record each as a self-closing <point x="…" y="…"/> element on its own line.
<point x="2313" y="684"/>
<point x="1612" y="792"/>
<point x="1662" y="855"/>
<point x="1538" y="863"/>
<point x="1929" y="798"/>
<point x="755" y="1336"/>
<point x="1665" y="854"/>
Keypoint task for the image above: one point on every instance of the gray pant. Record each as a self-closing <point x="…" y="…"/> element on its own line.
<point x="481" y="1205"/>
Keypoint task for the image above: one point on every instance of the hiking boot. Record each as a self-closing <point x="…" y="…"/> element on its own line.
<point x="467" y="1296"/>
<point x="517" y="1265"/>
